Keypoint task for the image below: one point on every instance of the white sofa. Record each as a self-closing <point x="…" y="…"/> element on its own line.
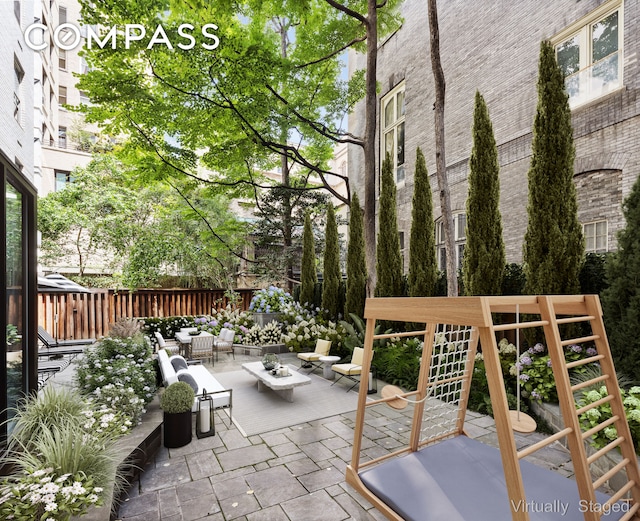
<point x="222" y="398"/>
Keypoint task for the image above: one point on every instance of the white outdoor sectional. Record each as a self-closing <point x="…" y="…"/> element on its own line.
<point x="175" y="368"/>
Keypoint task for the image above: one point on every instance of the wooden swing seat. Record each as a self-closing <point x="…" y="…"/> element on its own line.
<point x="461" y="479"/>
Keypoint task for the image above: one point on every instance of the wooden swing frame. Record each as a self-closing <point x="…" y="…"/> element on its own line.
<point x="553" y="311"/>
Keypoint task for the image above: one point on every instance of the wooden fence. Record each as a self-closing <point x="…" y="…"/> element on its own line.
<point x="88" y="315"/>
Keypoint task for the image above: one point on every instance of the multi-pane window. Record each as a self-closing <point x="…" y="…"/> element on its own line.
<point x="459" y="226"/>
<point x="595" y="237"/>
<point x="84" y="97"/>
<point x="62" y="137"/>
<point x="591" y="56"/>
<point x="17" y="90"/>
<point x="392" y="118"/>
<point x="62" y="59"/>
<point x="62" y="95"/>
<point x="62" y="15"/>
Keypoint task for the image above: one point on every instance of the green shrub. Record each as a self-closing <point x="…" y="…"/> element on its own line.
<point x="177" y="398"/>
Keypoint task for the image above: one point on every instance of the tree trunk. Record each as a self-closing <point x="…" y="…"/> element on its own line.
<point x="370" y="147"/>
<point x="441" y="164"/>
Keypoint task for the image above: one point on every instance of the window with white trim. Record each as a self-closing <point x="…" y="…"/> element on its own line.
<point x="392" y="117"/>
<point x="595" y="237"/>
<point x="459" y="234"/>
<point x="62" y="59"/>
<point x="590" y="54"/>
<point x="63" y="179"/>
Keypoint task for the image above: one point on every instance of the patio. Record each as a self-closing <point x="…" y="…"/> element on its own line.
<point x="291" y="473"/>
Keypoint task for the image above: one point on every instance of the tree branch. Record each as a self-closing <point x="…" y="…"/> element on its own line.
<point x="333" y="53"/>
<point x="349" y="12"/>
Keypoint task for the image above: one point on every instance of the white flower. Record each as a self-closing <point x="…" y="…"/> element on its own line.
<point x="51" y="507"/>
<point x="50" y="488"/>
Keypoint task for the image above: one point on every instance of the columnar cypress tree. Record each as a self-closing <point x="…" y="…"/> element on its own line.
<point x="621" y="301"/>
<point x="554" y="246"/>
<point x="308" y="277"/>
<point x="484" y="258"/>
<point x="356" y="264"/>
<point x="423" y="268"/>
<point x="332" y="274"/>
<point x="389" y="262"/>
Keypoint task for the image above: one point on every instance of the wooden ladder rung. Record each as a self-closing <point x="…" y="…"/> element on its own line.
<point x="580" y="340"/>
<point x="571" y="320"/>
<point x="600" y="426"/>
<point x="584" y="361"/>
<point x="631" y="513"/>
<point x="610" y="473"/>
<point x="595" y="404"/>
<point x="520" y="325"/>
<point x="618" y="495"/>
<point x="543" y="443"/>
<point x="593" y="381"/>
<point x="597" y="455"/>
<point x="396" y="335"/>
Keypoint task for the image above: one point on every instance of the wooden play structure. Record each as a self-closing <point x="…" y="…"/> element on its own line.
<point x="443" y="475"/>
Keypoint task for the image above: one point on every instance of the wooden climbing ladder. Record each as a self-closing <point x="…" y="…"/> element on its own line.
<point x="557" y="316"/>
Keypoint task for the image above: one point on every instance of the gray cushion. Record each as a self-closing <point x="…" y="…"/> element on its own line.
<point x="178" y="363"/>
<point x="183" y="376"/>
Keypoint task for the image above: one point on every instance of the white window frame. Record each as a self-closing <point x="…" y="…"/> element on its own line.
<point x="392" y="128"/>
<point x="590" y="231"/>
<point x="582" y="30"/>
<point x="62" y="59"/>
<point x="459" y="233"/>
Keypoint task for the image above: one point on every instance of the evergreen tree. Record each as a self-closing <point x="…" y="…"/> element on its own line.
<point x="389" y="261"/>
<point x="423" y="268"/>
<point x="553" y="246"/>
<point x="621" y="301"/>
<point x="484" y="257"/>
<point x="308" y="276"/>
<point x="356" y="266"/>
<point x="332" y="272"/>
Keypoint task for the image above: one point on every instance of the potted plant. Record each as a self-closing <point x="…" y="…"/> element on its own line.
<point x="176" y="402"/>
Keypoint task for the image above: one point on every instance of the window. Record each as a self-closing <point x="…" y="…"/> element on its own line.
<point x="62" y="137"/>
<point x="63" y="178"/>
<point x="459" y="226"/>
<point x="17" y="90"/>
<point x="84" y="66"/>
<point x="590" y="54"/>
<point x="401" y="240"/>
<point x="62" y="15"/>
<point x="84" y="97"/>
<point x="62" y="59"/>
<point x="595" y="237"/>
<point x="392" y="117"/>
<point x="62" y="95"/>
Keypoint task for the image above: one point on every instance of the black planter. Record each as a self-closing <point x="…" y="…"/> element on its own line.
<point x="177" y="429"/>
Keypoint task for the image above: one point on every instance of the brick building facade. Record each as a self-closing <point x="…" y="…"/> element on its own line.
<point x="494" y="47"/>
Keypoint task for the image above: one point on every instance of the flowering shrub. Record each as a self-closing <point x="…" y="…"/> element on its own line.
<point x="262" y="336"/>
<point x="119" y="372"/>
<point x="301" y="336"/>
<point x="42" y="494"/>
<point x="597" y="415"/>
<point x="536" y="375"/>
<point x="269" y="300"/>
<point x="106" y="421"/>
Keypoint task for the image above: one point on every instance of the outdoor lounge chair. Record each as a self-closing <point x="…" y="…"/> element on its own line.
<point x="171" y="346"/>
<point x="201" y="347"/>
<point x="46" y="369"/>
<point x="61" y="348"/>
<point x="223" y="343"/>
<point x="351" y="369"/>
<point x="312" y="359"/>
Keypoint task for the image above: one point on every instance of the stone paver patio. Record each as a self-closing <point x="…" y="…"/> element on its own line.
<point x="292" y="474"/>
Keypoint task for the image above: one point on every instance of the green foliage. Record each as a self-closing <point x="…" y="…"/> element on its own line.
<point x="356" y="266"/>
<point x="593" y="275"/>
<point x="388" y="259"/>
<point x="554" y="245"/>
<point x="597" y="415"/>
<point x="270" y="300"/>
<point x="398" y="363"/>
<point x="308" y="275"/>
<point x="423" y="268"/>
<point x="484" y="255"/>
<point x="332" y="272"/>
<point x="177" y="398"/>
<point x="621" y="301"/>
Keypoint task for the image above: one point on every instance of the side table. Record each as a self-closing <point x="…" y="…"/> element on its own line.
<point x="328" y="361"/>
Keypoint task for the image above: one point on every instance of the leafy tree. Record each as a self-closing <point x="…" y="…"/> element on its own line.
<point x="423" y="268"/>
<point x="331" y="264"/>
<point x="356" y="266"/>
<point x="484" y="257"/>
<point x="621" y="301"/>
<point x="553" y="245"/>
<point x="308" y="276"/>
<point x="389" y="265"/>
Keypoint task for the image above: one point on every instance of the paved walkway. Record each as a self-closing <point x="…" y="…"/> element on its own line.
<point x="291" y="474"/>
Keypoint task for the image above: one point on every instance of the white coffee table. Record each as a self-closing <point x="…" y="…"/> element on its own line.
<point x="283" y="385"/>
<point x="328" y="361"/>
